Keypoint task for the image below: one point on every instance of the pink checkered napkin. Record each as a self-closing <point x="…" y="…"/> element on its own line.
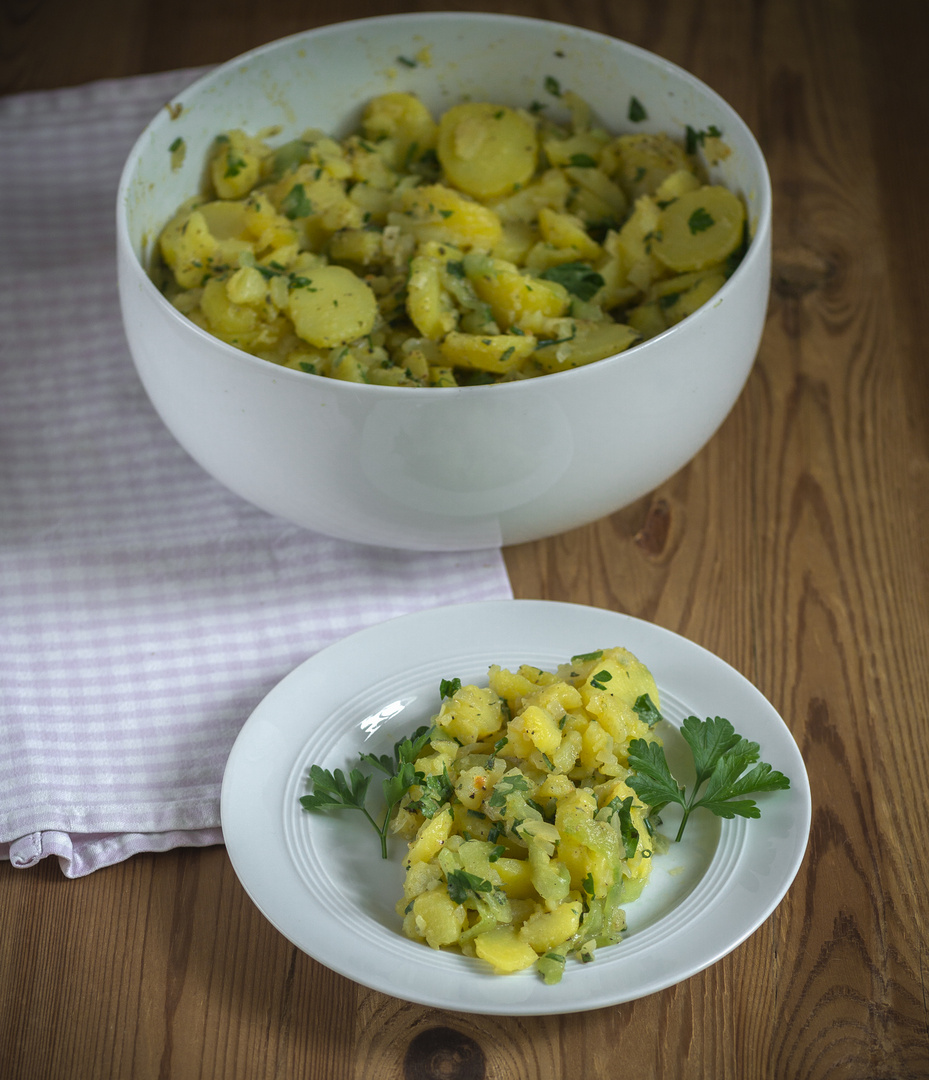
<point x="144" y="610"/>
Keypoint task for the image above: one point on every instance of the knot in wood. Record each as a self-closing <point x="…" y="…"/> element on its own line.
<point x="799" y="270"/>
<point x="653" y="536"/>
<point x="442" y="1053"/>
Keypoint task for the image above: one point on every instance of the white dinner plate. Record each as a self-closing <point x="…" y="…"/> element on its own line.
<point x="319" y="877"/>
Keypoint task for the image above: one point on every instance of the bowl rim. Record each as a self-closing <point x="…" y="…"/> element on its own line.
<point x="757" y="249"/>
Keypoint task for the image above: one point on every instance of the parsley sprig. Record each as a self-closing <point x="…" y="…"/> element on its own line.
<point x="332" y="790"/>
<point x="721" y="757"/>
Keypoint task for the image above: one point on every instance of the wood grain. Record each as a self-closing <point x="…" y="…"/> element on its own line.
<point x="795" y="545"/>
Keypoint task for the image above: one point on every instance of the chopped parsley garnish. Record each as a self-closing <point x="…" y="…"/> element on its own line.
<point x="506" y="786"/>
<point x="234" y="165"/>
<point x="645" y="708"/>
<point x="628" y="833"/>
<point x="545" y="342"/>
<point x="582" y="161"/>
<point x="448" y="687"/>
<point x="553" y="86"/>
<point x="176" y="145"/>
<point x="637" y="111"/>
<point x="695" y="139"/>
<point x="700" y="220"/>
<point x="600" y="680"/>
<point x="296" y="204"/>
<point x="461" y="883"/>
<point x="720" y="756"/>
<point x="436" y="790"/>
<point x="578" y="278"/>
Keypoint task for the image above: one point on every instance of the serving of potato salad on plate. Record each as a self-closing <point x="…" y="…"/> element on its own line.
<point x="530" y="807"/>
<point x="539" y="840"/>
<point x="489" y="244"/>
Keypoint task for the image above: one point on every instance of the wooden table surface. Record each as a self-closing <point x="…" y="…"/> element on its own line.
<point x="795" y="546"/>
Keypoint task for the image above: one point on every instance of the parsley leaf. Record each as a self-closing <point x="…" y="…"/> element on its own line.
<point x="449" y="687"/>
<point x="582" y="161"/>
<point x="694" y="139"/>
<point x="637" y="111"/>
<point x="332" y="791"/>
<point x="720" y="756"/>
<point x="652" y="780"/>
<point x="234" y="165"/>
<point x="599" y="681"/>
<point x="578" y="278"/>
<point x="505" y="787"/>
<point x="461" y="884"/>
<point x="628" y="833"/>
<point x="296" y="204"/>
<point x="436" y="792"/>
<point x="700" y="220"/>
<point x="646" y="710"/>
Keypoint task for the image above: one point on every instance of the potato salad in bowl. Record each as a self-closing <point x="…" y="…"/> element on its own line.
<point x="489" y="244"/>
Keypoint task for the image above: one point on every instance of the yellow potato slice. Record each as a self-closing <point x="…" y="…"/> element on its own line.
<point x="699" y="228"/>
<point x="487" y="150"/>
<point x="503" y="948"/>
<point x="437" y="213"/>
<point x="331" y="306"/>
<point x="496" y="353"/>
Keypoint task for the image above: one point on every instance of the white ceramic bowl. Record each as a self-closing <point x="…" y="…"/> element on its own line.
<point x="438" y="469"/>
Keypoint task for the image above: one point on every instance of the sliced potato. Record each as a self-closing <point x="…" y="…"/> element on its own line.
<point x="487" y="150"/>
<point x="331" y="306"/>
<point x="699" y="228"/>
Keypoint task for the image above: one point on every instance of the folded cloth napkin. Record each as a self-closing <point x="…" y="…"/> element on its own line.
<point x="144" y="610"/>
